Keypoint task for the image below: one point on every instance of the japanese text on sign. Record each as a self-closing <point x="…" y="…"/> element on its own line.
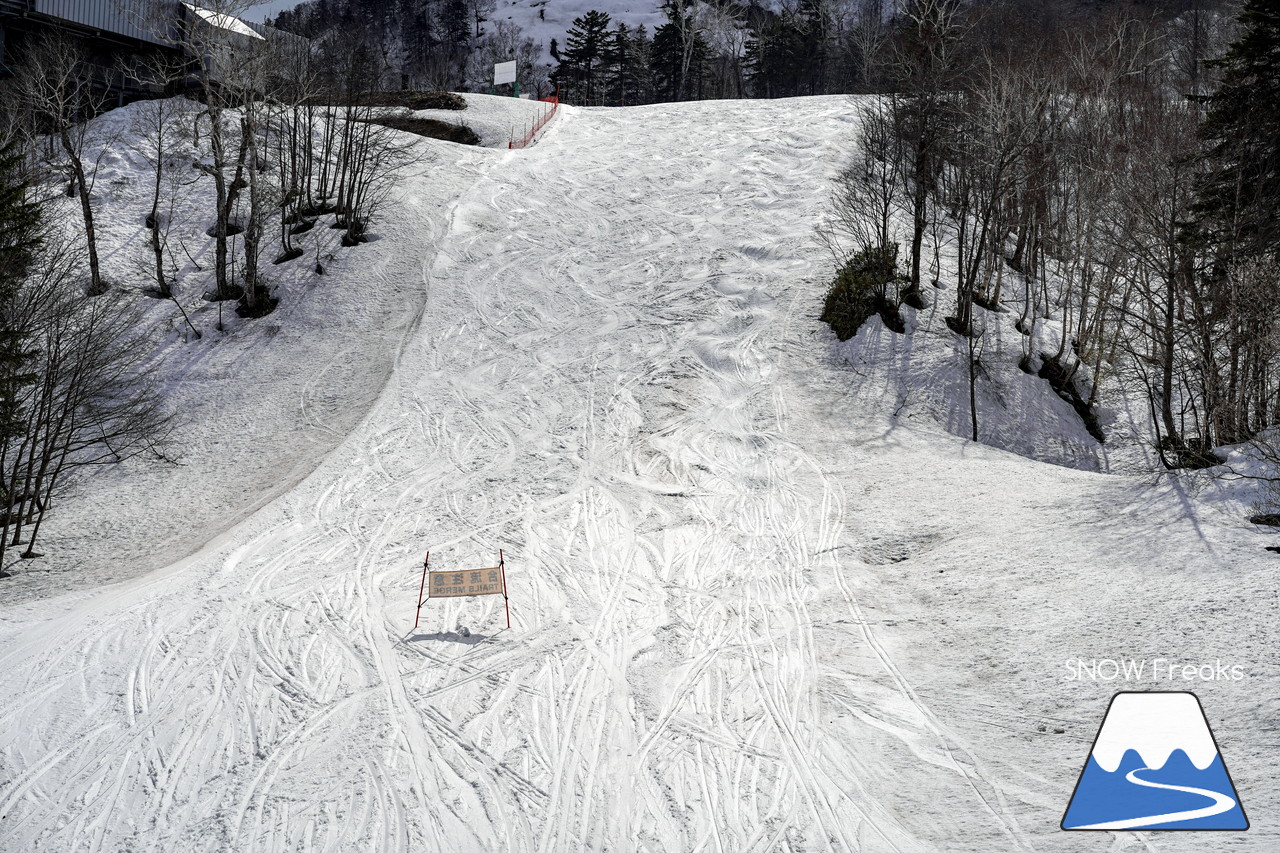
<point x="473" y="582"/>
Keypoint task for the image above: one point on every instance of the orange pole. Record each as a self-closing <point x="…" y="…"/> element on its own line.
<point x="502" y="567"/>
<point x="418" y="611"/>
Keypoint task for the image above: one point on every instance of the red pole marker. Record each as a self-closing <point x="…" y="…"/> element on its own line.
<point x="417" y="613"/>
<point x="502" y="567"/>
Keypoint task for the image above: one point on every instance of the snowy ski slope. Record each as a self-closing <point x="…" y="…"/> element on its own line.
<point x="751" y="613"/>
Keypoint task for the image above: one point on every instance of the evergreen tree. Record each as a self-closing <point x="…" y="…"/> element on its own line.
<point x="790" y="53"/>
<point x="626" y="63"/>
<point x="1238" y="204"/>
<point x="19" y="239"/>
<point x="455" y="24"/>
<point x="678" y="56"/>
<point x="581" y="57"/>
<point x="616" y="59"/>
<point x="665" y="60"/>
<point x="775" y="57"/>
<point x="641" y="50"/>
<point x="814" y="25"/>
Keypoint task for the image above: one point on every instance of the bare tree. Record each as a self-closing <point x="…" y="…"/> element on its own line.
<point x="925" y="65"/>
<point x="726" y="35"/>
<point x="223" y="51"/>
<point x="869" y="191"/>
<point x="90" y="400"/>
<point x="867" y="37"/>
<point x="505" y="41"/>
<point x="364" y="153"/>
<point x="161" y="132"/>
<point x="291" y="141"/>
<point x="56" y="89"/>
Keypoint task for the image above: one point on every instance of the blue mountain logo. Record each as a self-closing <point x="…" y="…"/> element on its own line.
<point x="1155" y="765"/>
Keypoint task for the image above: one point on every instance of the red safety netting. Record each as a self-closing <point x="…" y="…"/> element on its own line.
<point x="547" y="114"/>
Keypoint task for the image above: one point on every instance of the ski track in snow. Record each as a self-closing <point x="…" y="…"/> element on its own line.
<point x="601" y="384"/>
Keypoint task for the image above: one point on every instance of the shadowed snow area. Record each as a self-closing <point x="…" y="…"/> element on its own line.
<point x="750" y="611"/>
<point x="495" y="119"/>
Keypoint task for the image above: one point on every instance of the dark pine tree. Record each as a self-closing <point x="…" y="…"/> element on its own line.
<point x="775" y="56"/>
<point x="455" y="24"/>
<point x="625" y="63"/>
<point x="678" y="56"/>
<point x="1238" y="200"/>
<point x="814" y="28"/>
<point x="641" y="50"/>
<point x="19" y="238"/>
<point x="665" y="62"/>
<point x="581" y="57"/>
<point x="616" y="62"/>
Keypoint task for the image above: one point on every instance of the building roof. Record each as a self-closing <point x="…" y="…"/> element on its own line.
<point x="143" y="20"/>
<point x="230" y="23"/>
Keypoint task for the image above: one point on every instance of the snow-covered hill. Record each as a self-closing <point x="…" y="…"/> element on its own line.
<point x="261" y="402"/>
<point x="752" y="609"/>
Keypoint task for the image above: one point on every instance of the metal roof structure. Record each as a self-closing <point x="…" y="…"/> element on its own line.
<point x="116" y="27"/>
<point x="156" y="22"/>
<point x="133" y="20"/>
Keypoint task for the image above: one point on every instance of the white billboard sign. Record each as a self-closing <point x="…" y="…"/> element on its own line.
<point x="504" y="72"/>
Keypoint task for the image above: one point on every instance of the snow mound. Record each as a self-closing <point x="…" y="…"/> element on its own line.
<point x="496" y="119"/>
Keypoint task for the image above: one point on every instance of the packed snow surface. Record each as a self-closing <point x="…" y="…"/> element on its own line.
<point x="752" y="610"/>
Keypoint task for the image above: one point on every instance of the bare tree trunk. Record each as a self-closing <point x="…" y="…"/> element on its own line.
<point x="157" y="245"/>
<point x="96" y="287"/>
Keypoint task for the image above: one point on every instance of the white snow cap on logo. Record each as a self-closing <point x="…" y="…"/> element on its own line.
<point x="1154" y="724"/>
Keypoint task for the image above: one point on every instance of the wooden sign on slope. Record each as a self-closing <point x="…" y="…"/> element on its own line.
<point x="487" y="581"/>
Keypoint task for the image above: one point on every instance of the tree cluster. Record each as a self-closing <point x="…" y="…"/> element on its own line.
<point x="74" y="390"/>
<point x="421" y="44"/>
<point x="1101" y="180"/>
<point x="272" y="133"/>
